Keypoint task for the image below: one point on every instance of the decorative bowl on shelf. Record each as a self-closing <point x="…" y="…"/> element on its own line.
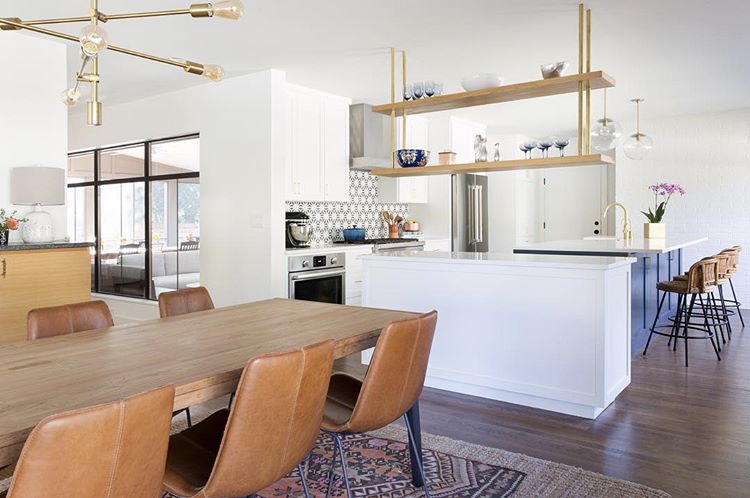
<point x="412" y="158"/>
<point x="481" y="81"/>
<point x="554" y="70"/>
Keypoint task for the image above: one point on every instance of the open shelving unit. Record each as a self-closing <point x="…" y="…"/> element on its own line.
<point x="581" y="83"/>
<point x="486" y="167"/>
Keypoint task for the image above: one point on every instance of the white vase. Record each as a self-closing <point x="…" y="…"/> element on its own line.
<point x="38" y="229"/>
<point x="654" y="231"/>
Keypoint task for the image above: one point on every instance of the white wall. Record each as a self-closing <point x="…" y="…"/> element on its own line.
<point x="33" y="121"/>
<point x="709" y="154"/>
<point x="241" y="122"/>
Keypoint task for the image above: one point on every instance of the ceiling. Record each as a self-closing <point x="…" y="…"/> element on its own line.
<point x="681" y="56"/>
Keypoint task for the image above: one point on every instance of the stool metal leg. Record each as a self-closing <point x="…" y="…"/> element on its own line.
<point x="687" y="322"/>
<point x="725" y="313"/>
<point x="656" y="319"/>
<point x="734" y="296"/>
<point x="332" y="473"/>
<point x="188" y="417"/>
<point x="715" y="309"/>
<point x="676" y="322"/>
<point x="708" y="328"/>
<point x="682" y="316"/>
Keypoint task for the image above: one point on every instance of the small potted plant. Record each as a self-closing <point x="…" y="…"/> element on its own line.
<point x="7" y="224"/>
<point x="663" y="192"/>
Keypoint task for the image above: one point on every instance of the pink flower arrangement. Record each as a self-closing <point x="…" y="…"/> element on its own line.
<point x="666" y="191"/>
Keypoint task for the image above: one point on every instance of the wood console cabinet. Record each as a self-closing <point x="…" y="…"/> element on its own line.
<point x="35" y="278"/>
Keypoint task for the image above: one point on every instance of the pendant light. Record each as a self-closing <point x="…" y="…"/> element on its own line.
<point x="638" y="145"/>
<point x="606" y="132"/>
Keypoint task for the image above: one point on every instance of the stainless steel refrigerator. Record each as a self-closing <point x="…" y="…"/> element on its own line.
<point x="469" y="213"/>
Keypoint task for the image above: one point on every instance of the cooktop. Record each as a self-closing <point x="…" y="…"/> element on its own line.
<point x="374" y="241"/>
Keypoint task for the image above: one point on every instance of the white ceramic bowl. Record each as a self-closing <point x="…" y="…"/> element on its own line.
<point x="480" y="81"/>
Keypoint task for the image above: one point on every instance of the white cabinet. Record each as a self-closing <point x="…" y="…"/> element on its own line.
<point x="437" y="245"/>
<point x="410" y="189"/>
<point x="354" y="274"/>
<point x="317" y="159"/>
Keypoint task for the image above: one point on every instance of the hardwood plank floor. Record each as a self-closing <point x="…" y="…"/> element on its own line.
<point x="683" y="430"/>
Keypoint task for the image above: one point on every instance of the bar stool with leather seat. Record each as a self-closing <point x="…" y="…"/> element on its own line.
<point x="392" y="385"/>
<point x="701" y="280"/>
<point x="183" y="301"/>
<point x="67" y="319"/>
<point x="117" y="450"/>
<point x="270" y="429"/>
<point x="734" y="257"/>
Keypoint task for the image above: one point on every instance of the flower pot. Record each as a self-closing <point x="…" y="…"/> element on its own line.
<point x="654" y="231"/>
<point x="4" y="236"/>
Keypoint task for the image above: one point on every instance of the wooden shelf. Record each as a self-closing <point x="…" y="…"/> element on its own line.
<point x="512" y="165"/>
<point x="506" y="93"/>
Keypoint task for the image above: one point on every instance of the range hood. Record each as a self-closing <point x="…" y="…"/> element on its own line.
<point x="369" y="138"/>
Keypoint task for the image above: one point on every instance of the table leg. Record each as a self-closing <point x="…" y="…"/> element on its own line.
<point x="412" y="418"/>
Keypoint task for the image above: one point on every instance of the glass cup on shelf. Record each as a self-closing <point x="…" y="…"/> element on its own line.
<point x="530" y="146"/>
<point x="523" y="147"/>
<point x="429" y="88"/>
<point x="561" y="143"/>
<point x="418" y="89"/>
<point x="438" y="88"/>
<point x="408" y="91"/>
<point x="545" y="144"/>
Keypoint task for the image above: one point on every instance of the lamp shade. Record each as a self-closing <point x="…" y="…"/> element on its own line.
<point x="37" y="185"/>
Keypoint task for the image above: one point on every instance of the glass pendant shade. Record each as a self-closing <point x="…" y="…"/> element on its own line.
<point x="213" y="72"/>
<point x="93" y="39"/>
<point x="229" y="9"/>
<point x="70" y="97"/>
<point x="604" y="134"/>
<point x="638" y="146"/>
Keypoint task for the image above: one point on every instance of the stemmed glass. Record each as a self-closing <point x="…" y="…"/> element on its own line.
<point x="408" y="91"/>
<point x="561" y="143"/>
<point x="418" y="90"/>
<point x="529" y="146"/>
<point x="429" y="88"/>
<point x="544" y="146"/>
<point x="526" y="150"/>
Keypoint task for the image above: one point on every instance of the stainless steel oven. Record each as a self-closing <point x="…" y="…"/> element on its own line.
<point x="318" y="278"/>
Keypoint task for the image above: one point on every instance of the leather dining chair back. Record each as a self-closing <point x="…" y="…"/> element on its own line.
<point x="396" y="374"/>
<point x="184" y="301"/>
<point x="117" y="450"/>
<point x="270" y="429"/>
<point x="67" y="319"/>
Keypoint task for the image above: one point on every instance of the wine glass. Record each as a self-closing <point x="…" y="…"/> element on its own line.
<point x="530" y="146"/>
<point x="429" y="88"/>
<point x="418" y="90"/>
<point x="561" y="143"/>
<point x="438" y="88"/>
<point x="408" y="91"/>
<point x="544" y="146"/>
<point x="523" y="149"/>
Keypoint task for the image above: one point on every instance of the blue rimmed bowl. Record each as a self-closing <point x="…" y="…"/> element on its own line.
<point x="412" y="158"/>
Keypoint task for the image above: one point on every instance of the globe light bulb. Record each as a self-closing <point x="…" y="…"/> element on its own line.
<point x="93" y="39"/>
<point x="70" y="97"/>
<point x="638" y="146"/>
<point x="229" y="9"/>
<point x="213" y="72"/>
<point x="604" y="134"/>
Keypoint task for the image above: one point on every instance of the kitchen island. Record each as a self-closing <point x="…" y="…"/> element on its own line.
<point x="550" y="332"/>
<point x="657" y="260"/>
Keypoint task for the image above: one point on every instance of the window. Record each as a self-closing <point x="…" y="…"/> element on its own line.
<point x="140" y="205"/>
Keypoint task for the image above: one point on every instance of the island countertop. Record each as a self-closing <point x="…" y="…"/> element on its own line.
<point x="503" y="259"/>
<point x="20" y="246"/>
<point x="609" y="246"/>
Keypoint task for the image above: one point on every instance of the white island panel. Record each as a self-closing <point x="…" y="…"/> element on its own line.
<point x="552" y="335"/>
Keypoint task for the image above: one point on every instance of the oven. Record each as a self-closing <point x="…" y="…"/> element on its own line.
<point x="318" y="278"/>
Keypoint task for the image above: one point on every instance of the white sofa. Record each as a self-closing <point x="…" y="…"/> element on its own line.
<point x="170" y="270"/>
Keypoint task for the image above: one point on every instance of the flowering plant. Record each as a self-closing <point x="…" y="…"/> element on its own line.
<point x="9" y="222"/>
<point x="665" y="191"/>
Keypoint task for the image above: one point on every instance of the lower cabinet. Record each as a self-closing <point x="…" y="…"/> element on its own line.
<point x="354" y="275"/>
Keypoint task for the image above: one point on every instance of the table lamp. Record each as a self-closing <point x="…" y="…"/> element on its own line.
<point x="37" y="186"/>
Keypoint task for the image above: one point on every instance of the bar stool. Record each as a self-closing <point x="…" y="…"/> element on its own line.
<point x="734" y="256"/>
<point x="701" y="279"/>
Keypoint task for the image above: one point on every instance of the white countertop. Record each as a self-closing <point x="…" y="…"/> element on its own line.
<point x="502" y="259"/>
<point x="607" y="245"/>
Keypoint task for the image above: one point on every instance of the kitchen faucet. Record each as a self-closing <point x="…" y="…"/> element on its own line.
<point x="627" y="232"/>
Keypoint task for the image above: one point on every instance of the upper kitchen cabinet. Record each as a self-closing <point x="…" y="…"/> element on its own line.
<point x="317" y="160"/>
<point x="408" y="190"/>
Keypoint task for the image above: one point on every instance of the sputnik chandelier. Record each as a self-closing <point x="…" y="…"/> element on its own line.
<point x="93" y="40"/>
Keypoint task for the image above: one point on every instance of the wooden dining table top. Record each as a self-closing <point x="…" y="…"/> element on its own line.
<point x="202" y="354"/>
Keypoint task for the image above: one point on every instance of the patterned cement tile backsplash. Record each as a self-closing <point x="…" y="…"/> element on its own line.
<point x="364" y="210"/>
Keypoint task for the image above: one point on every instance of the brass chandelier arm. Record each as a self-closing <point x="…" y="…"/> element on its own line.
<point x="195" y="10"/>
<point x="190" y="67"/>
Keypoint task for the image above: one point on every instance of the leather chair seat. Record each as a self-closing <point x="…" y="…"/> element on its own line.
<point x="193" y="453"/>
<point x="343" y="392"/>
<point x="679" y="287"/>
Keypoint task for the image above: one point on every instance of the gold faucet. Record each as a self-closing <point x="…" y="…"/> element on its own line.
<point x="627" y="232"/>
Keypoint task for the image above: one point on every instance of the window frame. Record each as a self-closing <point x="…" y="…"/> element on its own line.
<point x="147" y="178"/>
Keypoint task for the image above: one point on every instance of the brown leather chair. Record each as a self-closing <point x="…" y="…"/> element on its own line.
<point x="184" y="301"/>
<point x="270" y="429"/>
<point x="392" y="385"/>
<point x="117" y="450"/>
<point x="67" y="319"/>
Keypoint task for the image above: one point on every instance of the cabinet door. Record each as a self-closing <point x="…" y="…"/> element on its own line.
<point x="305" y="155"/>
<point x="336" y="149"/>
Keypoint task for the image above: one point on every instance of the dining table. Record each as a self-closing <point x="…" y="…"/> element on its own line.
<point x="202" y="354"/>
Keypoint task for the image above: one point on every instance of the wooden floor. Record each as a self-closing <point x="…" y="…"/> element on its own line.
<point x="683" y="430"/>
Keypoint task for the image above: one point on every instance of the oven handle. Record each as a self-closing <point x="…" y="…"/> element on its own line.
<point x="311" y="275"/>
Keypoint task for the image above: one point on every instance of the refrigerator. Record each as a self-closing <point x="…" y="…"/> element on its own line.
<point x="469" y="213"/>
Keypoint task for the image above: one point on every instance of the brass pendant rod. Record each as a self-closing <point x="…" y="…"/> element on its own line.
<point x="588" y="82"/>
<point x="403" y="121"/>
<point x="393" y="111"/>
<point x="580" y="83"/>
